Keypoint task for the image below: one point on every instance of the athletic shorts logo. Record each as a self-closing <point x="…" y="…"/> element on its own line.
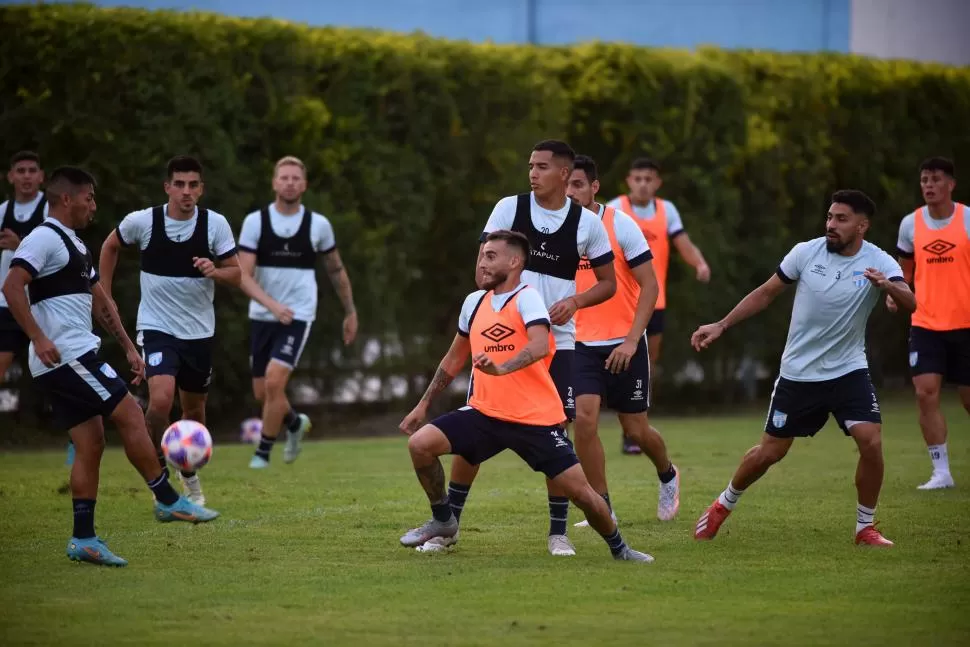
<point x="497" y="332"/>
<point x="778" y="419"/>
<point x="155" y="359"/>
<point x="108" y="371"/>
<point x="287" y="348"/>
<point x="560" y="440"/>
<point x="913" y="358"/>
<point x="637" y="395"/>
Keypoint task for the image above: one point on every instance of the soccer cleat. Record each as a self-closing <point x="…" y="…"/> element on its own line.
<point x="710" y="521"/>
<point x="193" y="489"/>
<point x="560" y="546"/>
<point x="630" y="555"/>
<point x="430" y="530"/>
<point x="69" y="460"/>
<point x="668" y="501"/>
<point x="294" y="438"/>
<point x="630" y="447"/>
<point x="869" y="536"/>
<point x="258" y="463"/>
<point x="938" y="481"/>
<point x="437" y="544"/>
<point x="585" y="522"/>
<point x="183" y="510"/>
<point x="94" y="551"/>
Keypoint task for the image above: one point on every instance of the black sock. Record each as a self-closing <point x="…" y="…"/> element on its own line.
<point x="84" y="518"/>
<point x="606" y="497"/>
<point x="265" y="446"/>
<point x="291" y="420"/>
<point x="188" y="474"/>
<point x="668" y="476"/>
<point x="441" y="511"/>
<point x="457" y="493"/>
<point x="162" y="489"/>
<point x="558" y="513"/>
<point x="615" y="542"/>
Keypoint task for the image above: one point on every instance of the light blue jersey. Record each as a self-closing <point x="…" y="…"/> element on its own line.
<point x="833" y="300"/>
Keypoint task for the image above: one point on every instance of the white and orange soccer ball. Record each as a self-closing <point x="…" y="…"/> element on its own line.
<point x="187" y="445"/>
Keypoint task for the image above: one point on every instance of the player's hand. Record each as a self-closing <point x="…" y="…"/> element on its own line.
<point x="137" y="365"/>
<point x="283" y="314"/>
<point x="562" y="311"/>
<point x="619" y="359"/>
<point x="47" y="352"/>
<point x="703" y="273"/>
<point x="9" y="240"/>
<point x="891" y="303"/>
<point x="205" y="266"/>
<point x="705" y="335"/>
<point x="412" y="422"/>
<point x="877" y="278"/>
<point x="484" y="363"/>
<point x="350" y="328"/>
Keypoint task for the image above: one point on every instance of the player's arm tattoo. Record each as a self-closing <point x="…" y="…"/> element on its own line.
<point x="432" y="479"/>
<point x="439" y="383"/>
<point x="340" y="280"/>
<point x="521" y="360"/>
<point x="111" y="322"/>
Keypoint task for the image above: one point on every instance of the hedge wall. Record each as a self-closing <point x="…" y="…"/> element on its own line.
<point x="411" y="140"/>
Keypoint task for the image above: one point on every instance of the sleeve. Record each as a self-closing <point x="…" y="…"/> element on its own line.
<point x="503" y="215"/>
<point x="890" y="267"/>
<point x="250" y="232"/>
<point x="324" y="240"/>
<point x="95" y="277"/>
<point x="135" y="228"/>
<point x="33" y="253"/>
<point x="532" y="308"/>
<point x="615" y="203"/>
<point x="636" y="250"/>
<point x="467" y="309"/>
<point x="675" y="225"/>
<point x="791" y="266"/>
<point x="595" y="245"/>
<point x="905" y="243"/>
<point x="221" y="241"/>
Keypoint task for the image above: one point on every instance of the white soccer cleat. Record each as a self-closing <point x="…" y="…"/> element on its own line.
<point x="585" y="522"/>
<point x="938" y="481"/>
<point x="438" y="544"/>
<point x="294" y="439"/>
<point x="560" y="546"/>
<point x="193" y="489"/>
<point x="668" y="502"/>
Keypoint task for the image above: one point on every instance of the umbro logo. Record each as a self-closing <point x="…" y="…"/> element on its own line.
<point x="497" y="332"/>
<point x="938" y="247"/>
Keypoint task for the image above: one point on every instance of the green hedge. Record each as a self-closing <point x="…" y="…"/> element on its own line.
<point x="411" y="140"/>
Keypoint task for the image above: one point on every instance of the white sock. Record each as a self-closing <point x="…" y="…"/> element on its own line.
<point x="863" y="517"/>
<point x="729" y="497"/>
<point x="941" y="461"/>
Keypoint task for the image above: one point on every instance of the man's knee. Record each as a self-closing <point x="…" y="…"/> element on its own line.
<point x="770" y="452"/>
<point x="868" y="438"/>
<point x="587" y="416"/>
<point x="277" y="377"/>
<point x="428" y="442"/>
<point x="927" y="391"/>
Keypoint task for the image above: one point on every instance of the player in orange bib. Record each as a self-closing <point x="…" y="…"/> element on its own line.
<point x="934" y="252"/>
<point x="515" y="405"/>
<point x="662" y="225"/>
<point x="612" y="364"/>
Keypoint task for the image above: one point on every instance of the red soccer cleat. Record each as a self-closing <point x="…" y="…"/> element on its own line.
<point x="710" y="521"/>
<point x="869" y="536"/>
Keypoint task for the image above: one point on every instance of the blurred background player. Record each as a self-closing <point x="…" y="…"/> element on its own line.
<point x="611" y="352"/>
<point x="824" y="367"/>
<point x="278" y="248"/>
<point x="934" y="252"/>
<point x="62" y="292"/>
<point x="184" y="250"/>
<point x="661" y="224"/>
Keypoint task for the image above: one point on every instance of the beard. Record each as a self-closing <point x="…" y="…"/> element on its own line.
<point x="835" y="246"/>
<point x="493" y="281"/>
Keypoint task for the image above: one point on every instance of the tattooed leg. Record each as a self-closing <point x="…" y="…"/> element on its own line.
<point x="432" y="479"/>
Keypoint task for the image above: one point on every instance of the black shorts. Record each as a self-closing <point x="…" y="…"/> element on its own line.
<point x="943" y="352"/>
<point x="82" y="389"/>
<point x="12" y="338"/>
<point x="626" y="392"/>
<point x="656" y="324"/>
<point x="274" y="341"/>
<point x="800" y="409"/>
<point x="188" y="360"/>
<point x="477" y="437"/>
<point x="562" y="370"/>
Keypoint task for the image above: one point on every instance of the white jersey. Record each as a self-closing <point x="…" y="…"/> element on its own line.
<point x="22" y="211"/>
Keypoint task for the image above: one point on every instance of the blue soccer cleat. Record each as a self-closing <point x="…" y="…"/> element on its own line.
<point x="70" y="455"/>
<point x="183" y="510"/>
<point x="93" y="550"/>
<point x="258" y="463"/>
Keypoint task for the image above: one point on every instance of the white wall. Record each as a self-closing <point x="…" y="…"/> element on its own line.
<point x="924" y="30"/>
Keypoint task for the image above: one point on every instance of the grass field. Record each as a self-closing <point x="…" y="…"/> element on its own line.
<point x="308" y="553"/>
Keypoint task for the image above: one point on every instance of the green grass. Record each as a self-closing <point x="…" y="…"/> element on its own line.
<point x="309" y="554"/>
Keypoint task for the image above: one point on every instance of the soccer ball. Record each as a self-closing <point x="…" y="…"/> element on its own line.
<point x="187" y="445"/>
<point x="250" y="430"/>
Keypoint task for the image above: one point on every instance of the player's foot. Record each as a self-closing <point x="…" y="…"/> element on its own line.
<point x="93" y="550"/>
<point x="258" y="463"/>
<point x="294" y="439"/>
<point x="668" y="502"/>
<point x="869" y="536"/>
<point x="69" y="460"/>
<point x="630" y="555"/>
<point x="585" y="522"/>
<point x="193" y="488"/>
<point x="433" y="528"/>
<point x="560" y="546"/>
<point x="710" y="521"/>
<point x="437" y="544"/>
<point x="938" y="481"/>
<point x="183" y="510"/>
<point x="630" y="447"/>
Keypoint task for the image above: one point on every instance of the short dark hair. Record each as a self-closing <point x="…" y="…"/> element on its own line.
<point x="513" y="239"/>
<point x="183" y="164"/>
<point x="858" y="201"/>
<point x="24" y="156"/>
<point x="558" y="149"/>
<point x="645" y="163"/>
<point x="587" y="165"/>
<point x="68" y="180"/>
<point x="939" y="164"/>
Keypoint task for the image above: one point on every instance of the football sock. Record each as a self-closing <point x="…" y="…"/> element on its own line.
<point x="265" y="446"/>
<point x="863" y="517"/>
<point x="615" y="542"/>
<point x="84" y="518"/>
<point x="668" y="476"/>
<point x="457" y="493"/>
<point x="291" y="420"/>
<point x="163" y="490"/>
<point x="558" y="513"/>
<point x="441" y="511"/>
<point x="729" y="497"/>
<point x="941" y="461"/>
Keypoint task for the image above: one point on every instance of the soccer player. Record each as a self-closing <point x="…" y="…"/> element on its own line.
<point x="661" y="224"/>
<point x="934" y="250"/>
<point x="823" y="368"/>
<point x="184" y="250"/>
<point x="278" y="248"/>
<point x="611" y="352"/>
<point x="62" y="291"/>
<point x="514" y="404"/>
<point x="560" y="232"/>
